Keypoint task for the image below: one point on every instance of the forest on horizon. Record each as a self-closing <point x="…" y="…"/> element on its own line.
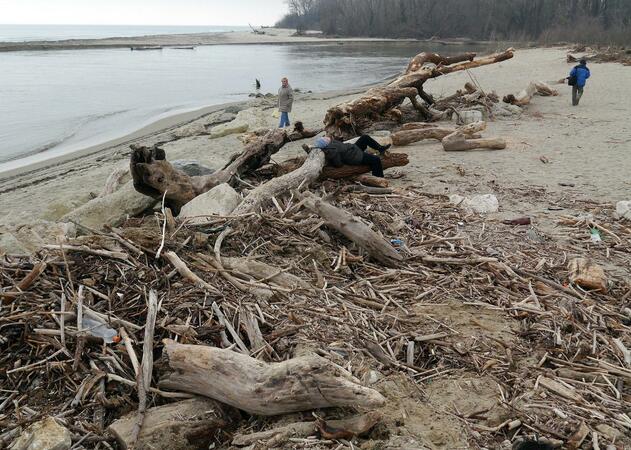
<point x="546" y="21"/>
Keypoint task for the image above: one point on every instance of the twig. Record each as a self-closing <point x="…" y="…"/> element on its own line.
<point x="146" y="369"/>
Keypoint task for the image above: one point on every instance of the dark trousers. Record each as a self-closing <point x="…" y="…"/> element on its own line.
<point x="374" y="162"/>
<point x="577" y="93"/>
<point x="366" y="141"/>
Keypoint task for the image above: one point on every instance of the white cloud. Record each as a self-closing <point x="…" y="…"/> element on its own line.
<point x="142" y="12"/>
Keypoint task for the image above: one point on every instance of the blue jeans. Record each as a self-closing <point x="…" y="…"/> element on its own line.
<point x="284" y="120"/>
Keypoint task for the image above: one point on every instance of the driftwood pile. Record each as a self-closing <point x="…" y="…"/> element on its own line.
<point x="302" y="314"/>
<point x="272" y="327"/>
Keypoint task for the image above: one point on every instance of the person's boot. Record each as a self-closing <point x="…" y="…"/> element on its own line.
<point x="384" y="148"/>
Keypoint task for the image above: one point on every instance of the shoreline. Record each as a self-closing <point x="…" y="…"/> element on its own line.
<point x="278" y="36"/>
<point x="159" y="126"/>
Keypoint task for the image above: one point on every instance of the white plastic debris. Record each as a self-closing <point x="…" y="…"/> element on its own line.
<point x="480" y="204"/>
<point x="623" y="209"/>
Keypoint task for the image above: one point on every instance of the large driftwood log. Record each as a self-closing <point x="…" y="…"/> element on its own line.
<point x="264" y="273"/>
<point x="457" y="142"/>
<point x="353" y="228"/>
<point x="154" y="176"/>
<point x="525" y="96"/>
<point x="305" y="175"/>
<point x="411" y="135"/>
<point x="267" y="389"/>
<point x="188" y="424"/>
<point x="388" y="161"/>
<point x="352" y="118"/>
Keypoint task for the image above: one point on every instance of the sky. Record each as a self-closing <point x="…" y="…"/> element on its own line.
<point x="142" y="12"/>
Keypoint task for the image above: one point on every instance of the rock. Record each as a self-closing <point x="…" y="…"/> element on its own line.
<point x="608" y="431"/>
<point x="469" y="116"/>
<point x="480" y="204"/>
<point x="247" y="119"/>
<point x="371" y="377"/>
<point x="192" y="129"/>
<point x="44" y="435"/>
<point x="623" y="209"/>
<point x="219" y="201"/>
<point x="191" y="167"/>
<point x="28" y="238"/>
<point x="187" y="424"/>
<point x="112" y="209"/>
<point x="587" y="274"/>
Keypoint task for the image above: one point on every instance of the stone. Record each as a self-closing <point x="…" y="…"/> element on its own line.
<point x="112" y="209"/>
<point x="43" y="435"/>
<point x="192" y="129"/>
<point x="219" y="201"/>
<point x="245" y="120"/>
<point x="623" y="209"/>
<point x="480" y="204"/>
<point x="28" y="238"/>
<point x="191" y="167"/>
<point x="608" y="431"/>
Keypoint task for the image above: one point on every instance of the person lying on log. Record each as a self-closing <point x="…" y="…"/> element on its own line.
<point x="339" y="153"/>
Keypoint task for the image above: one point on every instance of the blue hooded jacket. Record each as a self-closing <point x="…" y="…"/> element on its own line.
<point x="581" y="73"/>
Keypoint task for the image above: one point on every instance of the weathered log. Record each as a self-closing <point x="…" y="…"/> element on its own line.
<point x="353" y="228"/>
<point x="525" y="96"/>
<point x="458" y="141"/>
<point x="188" y="424"/>
<point x="352" y="118"/>
<point x="305" y="175"/>
<point x="267" y="389"/>
<point x="412" y="135"/>
<point x="388" y="161"/>
<point x="264" y="273"/>
<point x="369" y="180"/>
<point x="351" y="427"/>
<point x="153" y="175"/>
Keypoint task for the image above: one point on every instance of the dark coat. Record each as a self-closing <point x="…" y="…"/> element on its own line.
<point x="338" y="153"/>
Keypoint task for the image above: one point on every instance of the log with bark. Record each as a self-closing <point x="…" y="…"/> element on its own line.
<point x="353" y="228"/>
<point x="154" y="176"/>
<point x="352" y="118"/>
<point x="257" y="387"/>
<point x="388" y="161"/>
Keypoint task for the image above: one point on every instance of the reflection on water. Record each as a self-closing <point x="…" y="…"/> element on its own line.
<point x="60" y="101"/>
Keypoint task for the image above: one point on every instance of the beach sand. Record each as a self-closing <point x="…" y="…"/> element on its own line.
<point x="271" y="36"/>
<point x="587" y="146"/>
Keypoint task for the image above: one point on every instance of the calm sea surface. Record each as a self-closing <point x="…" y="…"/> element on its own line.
<point x="56" y="102"/>
<point x="24" y="33"/>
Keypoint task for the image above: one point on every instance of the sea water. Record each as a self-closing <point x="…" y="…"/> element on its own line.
<point x="56" y="102"/>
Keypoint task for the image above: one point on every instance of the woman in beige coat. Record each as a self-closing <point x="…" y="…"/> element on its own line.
<point x="285" y="102"/>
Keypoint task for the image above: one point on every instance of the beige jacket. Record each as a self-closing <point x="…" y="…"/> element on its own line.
<point x="285" y="99"/>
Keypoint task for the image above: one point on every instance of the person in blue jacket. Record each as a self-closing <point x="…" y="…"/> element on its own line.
<point x="577" y="79"/>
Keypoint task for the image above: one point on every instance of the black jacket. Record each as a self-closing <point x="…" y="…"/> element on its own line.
<point x="338" y="153"/>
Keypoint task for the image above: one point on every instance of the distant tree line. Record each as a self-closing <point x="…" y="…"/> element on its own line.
<point x="583" y="21"/>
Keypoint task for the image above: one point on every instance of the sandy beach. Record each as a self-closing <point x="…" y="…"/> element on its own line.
<point x="586" y="146"/>
<point x="271" y="36"/>
<point x="476" y="332"/>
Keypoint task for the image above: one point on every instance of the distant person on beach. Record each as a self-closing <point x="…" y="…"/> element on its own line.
<point x="339" y="153"/>
<point x="577" y="79"/>
<point x="285" y="102"/>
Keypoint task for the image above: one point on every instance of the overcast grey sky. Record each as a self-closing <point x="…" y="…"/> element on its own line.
<point x="142" y="12"/>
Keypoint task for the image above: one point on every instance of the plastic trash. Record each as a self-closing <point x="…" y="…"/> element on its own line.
<point x="595" y="236"/>
<point x="396" y="242"/>
<point x="100" y="330"/>
<point x="481" y="204"/>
